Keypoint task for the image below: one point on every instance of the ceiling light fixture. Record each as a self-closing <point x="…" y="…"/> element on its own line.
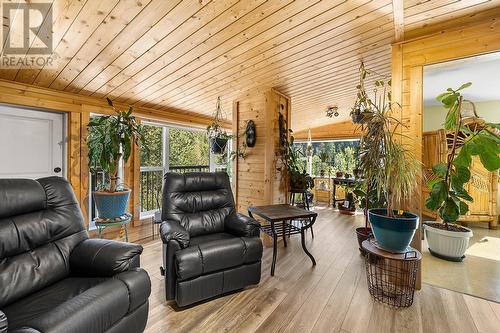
<point x="332" y="111"/>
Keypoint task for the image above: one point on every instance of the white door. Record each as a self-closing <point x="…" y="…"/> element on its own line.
<point x="32" y="143"/>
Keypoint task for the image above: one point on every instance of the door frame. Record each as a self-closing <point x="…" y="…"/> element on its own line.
<point x="463" y="38"/>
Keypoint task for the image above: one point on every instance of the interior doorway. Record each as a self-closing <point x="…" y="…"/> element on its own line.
<point x="479" y="272"/>
<point x="32" y="143"/>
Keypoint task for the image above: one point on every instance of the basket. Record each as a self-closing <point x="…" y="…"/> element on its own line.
<point x="391" y="277"/>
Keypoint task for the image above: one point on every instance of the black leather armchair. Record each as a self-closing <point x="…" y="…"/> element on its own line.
<point x="208" y="248"/>
<point x="53" y="278"/>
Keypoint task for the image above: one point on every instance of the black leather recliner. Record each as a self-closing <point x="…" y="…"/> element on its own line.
<point x="53" y="278"/>
<point x="208" y="248"/>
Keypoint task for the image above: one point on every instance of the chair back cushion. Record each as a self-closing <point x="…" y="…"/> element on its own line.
<point x="40" y="224"/>
<point x="199" y="201"/>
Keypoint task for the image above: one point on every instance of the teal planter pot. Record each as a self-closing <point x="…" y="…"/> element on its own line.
<point x="111" y="205"/>
<point x="393" y="234"/>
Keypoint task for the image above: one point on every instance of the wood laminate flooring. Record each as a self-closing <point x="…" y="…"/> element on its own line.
<point x="331" y="297"/>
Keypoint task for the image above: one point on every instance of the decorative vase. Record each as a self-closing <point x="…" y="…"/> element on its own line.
<point x="218" y="145"/>
<point x="447" y="244"/>
<point x="111" y="205"/>
<point x="339" y="174"/>
<point x="393" y="234"/>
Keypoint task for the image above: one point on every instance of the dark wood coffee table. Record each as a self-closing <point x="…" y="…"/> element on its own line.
<point x="286" y="214"/>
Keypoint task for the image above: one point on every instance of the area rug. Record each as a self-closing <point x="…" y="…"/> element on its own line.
<point x="487" y="247"/>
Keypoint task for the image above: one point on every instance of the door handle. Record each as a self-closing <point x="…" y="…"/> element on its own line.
<point x="57" y="169"/>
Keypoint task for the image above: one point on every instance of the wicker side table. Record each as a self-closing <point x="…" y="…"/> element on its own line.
<point x="391" y="277"/>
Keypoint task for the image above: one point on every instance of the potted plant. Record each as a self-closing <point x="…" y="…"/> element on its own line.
<point x="348" y="206"/>
<point x="291" y="159"/>
<point x="111" y="139"/>
<point x="448" y="196"/>
<point x="217" y="135"/>
<point x="323" y="157"/>
<point x="389" y="168"/>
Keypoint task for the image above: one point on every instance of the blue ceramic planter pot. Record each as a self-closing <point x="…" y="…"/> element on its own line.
<point x="393" y="234"/>
<point x="111" y="205"/>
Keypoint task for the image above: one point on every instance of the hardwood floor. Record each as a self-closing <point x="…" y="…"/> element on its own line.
<point x="331" y="297"/>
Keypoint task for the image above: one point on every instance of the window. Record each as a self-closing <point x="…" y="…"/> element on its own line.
<point x="341" y="156"/>
<point x="166" y="149"/>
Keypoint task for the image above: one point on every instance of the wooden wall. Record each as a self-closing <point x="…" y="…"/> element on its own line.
<point x="256" y="179"/>
<point x="78" y="109"/>
<point x="463" y="37"/>
<point x="340" y="130"/>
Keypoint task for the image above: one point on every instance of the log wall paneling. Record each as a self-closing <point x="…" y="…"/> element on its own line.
<point x="256" y="179"/>
<point x="461" y="38"/>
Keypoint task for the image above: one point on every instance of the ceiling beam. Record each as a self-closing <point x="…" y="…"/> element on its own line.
<point x="399" y="20"/>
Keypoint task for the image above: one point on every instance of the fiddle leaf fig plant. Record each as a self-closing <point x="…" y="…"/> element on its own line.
<point x="448" y="195"/>
<point x="111" y="138"/>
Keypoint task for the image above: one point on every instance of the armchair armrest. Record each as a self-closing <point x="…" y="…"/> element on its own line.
<point x="172" y="230"/>
<point x="241" y="225"/>
<point x="100" y="257"/>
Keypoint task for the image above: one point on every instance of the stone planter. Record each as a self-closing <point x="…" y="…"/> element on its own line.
<point x="446" y="244"/>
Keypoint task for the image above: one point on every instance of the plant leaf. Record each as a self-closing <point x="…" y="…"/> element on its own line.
<point x="449" y="211"/>
<point x="438" y="194"/>
<point x="463" y="207"/>
<point x="464" y="86"/>
<point x="440" y="169"/>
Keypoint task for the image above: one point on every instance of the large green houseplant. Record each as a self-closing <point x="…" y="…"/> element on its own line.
<point x="390" y="170"/>
<point x="292" y="159"/>
<point x="110" y="139"/>
<point x="449" y="197"/>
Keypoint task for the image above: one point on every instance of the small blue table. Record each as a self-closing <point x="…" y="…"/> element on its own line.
<point x="122" y="221"/>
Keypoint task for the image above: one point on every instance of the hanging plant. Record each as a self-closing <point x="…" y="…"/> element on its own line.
<point x="217" y="135"/>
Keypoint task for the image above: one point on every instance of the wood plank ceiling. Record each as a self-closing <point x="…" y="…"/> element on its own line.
<point x="181" y="54"/>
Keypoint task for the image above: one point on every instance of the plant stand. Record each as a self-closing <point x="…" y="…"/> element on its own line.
<point x="391" y="277"/>
<point x="122" y="221"/>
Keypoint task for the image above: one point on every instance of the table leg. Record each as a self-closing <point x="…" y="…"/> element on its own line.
<point x="275" y="248"/>
<point x="306" y="206"/>
<point x="284" y="233"/>
<point x="302" y="239"/>
<point x="153" y="228"/>
<point x="334" y="199"/>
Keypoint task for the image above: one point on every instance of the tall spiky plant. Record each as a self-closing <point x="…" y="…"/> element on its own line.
<point x="388" y="166"/>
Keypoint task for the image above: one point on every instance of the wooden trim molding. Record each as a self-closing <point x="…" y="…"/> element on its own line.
<point x="44" y="98"/>
<point x="341" y="130"/>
